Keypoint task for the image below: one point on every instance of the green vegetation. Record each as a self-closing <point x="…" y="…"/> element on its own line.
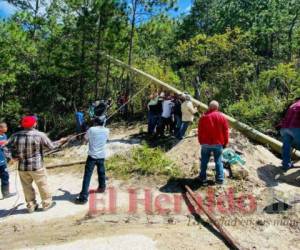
<point x="143" y="161"/>
<point x="243" y="53"/>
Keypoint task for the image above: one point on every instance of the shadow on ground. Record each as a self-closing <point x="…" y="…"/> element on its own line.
<point x="165" y="142"/>
<point x="273" y="175"/>
<point x="66" y="196"/>
<point x="13" y="211"/>
<point x="177" y="185"/>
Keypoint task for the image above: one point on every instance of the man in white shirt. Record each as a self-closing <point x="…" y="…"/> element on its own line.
<point x="97" y="137"/>
<point x="166" y="117"/>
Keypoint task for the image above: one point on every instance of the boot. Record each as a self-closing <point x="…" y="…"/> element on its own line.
<point x="5" y="192"/>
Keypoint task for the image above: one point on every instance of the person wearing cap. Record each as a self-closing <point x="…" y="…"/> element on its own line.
<point x="4" y="175"/>
<point x="213" y="136"/>
<point x="97" y="137"/>
<point x="290" y="132"/>
<point x="188" y="111"/>
<point x="27" y="147"/>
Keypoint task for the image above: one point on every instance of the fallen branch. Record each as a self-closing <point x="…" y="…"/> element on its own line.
<point x="213" y="219"/>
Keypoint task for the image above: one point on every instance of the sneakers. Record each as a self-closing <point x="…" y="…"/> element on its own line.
<point x="5" y="192"/>
<point x="290" y="166"/>
<point x="100" y="190"/>
<point x="202" y="182"/>
<point x="80" y="201"/>
<point x="220" y="182"/>
<point x="8" y="195"/>
<point x="49" y="206"/>
<point x="32" y="208"/>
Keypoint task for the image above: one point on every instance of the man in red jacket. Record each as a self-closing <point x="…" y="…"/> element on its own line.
<point x="213" y="135"/>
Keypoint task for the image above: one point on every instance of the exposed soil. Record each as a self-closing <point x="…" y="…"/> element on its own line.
<point x="69" y="226"/>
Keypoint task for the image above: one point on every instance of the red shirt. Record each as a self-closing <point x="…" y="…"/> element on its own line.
<point x="213" y="129"/>
<point x="292" y="117"/>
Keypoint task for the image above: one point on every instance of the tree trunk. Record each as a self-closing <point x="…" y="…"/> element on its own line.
<point x="97" y="69"/>
<point x="196" y="85"/>
<point x="290" y="36"/>
<point x="82" y="62"/>
<point x="107" y="79"/>
<point x="36" y="10"/>
<point x="131" y="44"/>
<point x="134" y="5"/>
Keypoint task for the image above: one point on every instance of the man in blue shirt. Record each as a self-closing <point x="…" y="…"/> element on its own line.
<point x="4" y="175"/>
<point x="97" y="137"/>
<point x="80" y="122"/>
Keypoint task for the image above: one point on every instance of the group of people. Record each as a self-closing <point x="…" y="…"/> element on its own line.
<point x="96" y="109"/>
<point x="27" y="146"/>
<point x="170" y="112"/>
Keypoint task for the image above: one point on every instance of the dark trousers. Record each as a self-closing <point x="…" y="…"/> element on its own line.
<point x="165" y="122"/>
<point x="183" y="128"/>
<point x="177" y="121"/>
<point x="88" y="172"/>
<point x="4" y="176"/>
<point x="153" y="120"/>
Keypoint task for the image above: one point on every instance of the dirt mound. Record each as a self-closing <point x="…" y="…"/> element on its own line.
<point x="187" y="152"/>
<point x="121" y="141"/>
<point x="264" y="172"/>
<point x="66" y="226"/>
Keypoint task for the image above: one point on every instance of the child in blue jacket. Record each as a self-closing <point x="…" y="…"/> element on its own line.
<point x="4" y="175"/>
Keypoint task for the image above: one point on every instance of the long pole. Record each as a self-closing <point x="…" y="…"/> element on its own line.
<point x="227" y="236"/>
<point x="243" y="128"/>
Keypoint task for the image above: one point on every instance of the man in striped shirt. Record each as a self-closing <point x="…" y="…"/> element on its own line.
<point x="27" y="147"/>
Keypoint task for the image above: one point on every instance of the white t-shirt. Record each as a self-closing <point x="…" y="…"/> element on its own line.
<point x="167" y="108"/>
<point x="97" y="137"/>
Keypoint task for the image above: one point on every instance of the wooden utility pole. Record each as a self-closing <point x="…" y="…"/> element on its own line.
<point x="242" y="127"/>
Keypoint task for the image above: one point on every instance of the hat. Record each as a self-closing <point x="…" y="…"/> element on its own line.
<point x="188" y="97"/>
<point x="28" y="121"/>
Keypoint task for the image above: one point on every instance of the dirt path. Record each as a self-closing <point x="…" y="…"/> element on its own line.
<point x="67" y="225"/>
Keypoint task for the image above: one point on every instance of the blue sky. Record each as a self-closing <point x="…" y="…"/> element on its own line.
<point x="184" y="7"/>
<point x="7" y="10"/>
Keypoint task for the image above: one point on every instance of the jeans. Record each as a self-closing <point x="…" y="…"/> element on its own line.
<point x="4" y="176"/>
<point x="183" y="128"/>
<point x="206" y="151"/>
<point x="177" y="119"/>
<point x="153" y="120"/>
<point x="290" y="138"/>
<point x="88" y="172"/>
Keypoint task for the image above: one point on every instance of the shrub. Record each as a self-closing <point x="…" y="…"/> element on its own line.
<point x="144" y="161"/>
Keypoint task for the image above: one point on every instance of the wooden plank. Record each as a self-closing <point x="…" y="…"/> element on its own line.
<point x="227" y="236"/>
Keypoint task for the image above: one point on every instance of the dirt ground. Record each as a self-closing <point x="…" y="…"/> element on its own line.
<point x="70" y="226"/>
